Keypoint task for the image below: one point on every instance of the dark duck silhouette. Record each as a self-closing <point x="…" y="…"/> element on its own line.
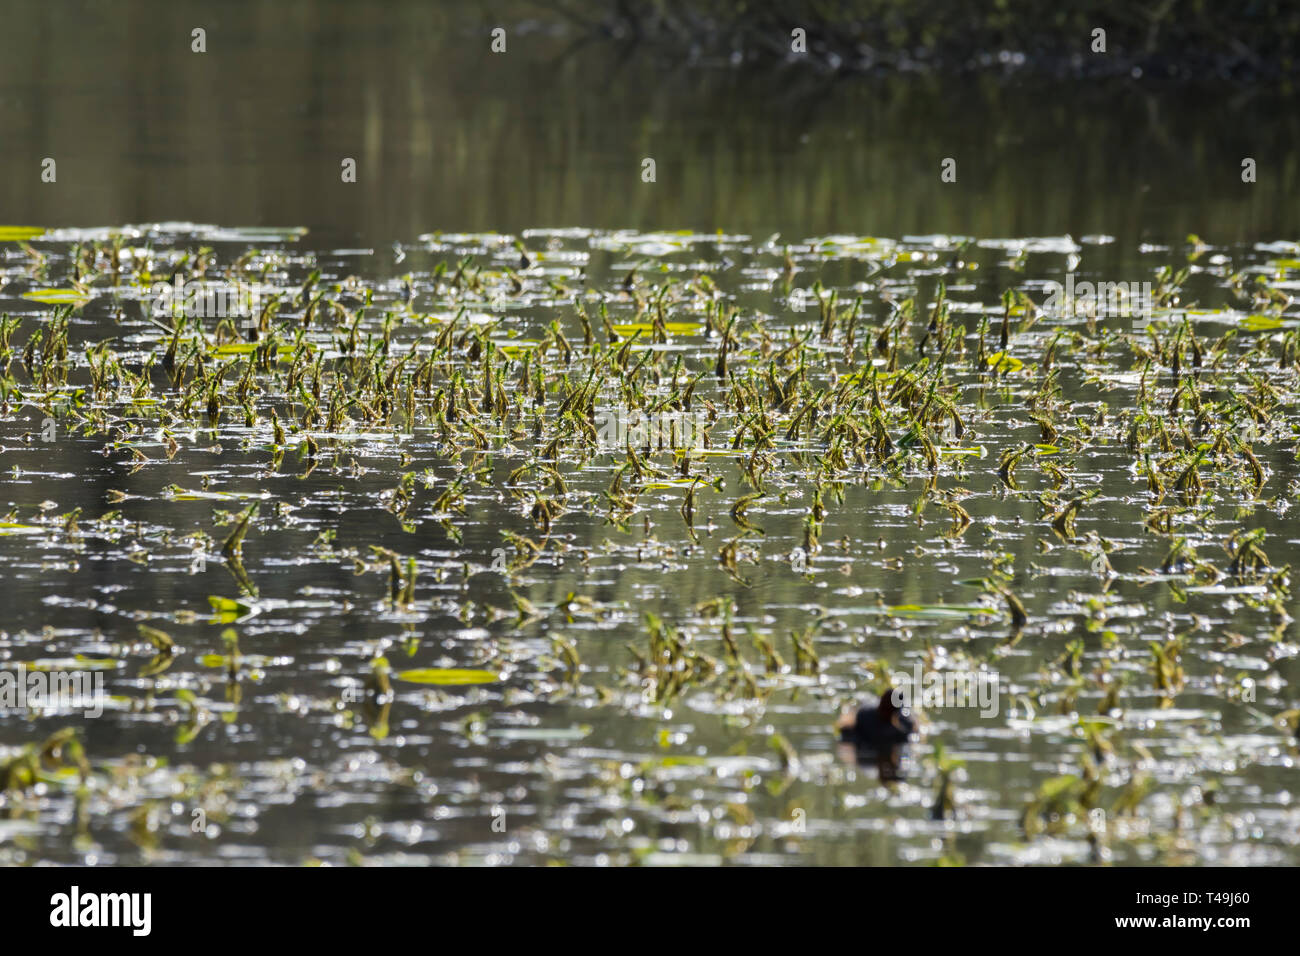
<point x="878" y="725"/>
<point x="877" y="734"/>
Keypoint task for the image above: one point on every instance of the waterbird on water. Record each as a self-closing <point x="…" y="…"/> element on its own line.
<point x="877" y="736"/>
<point x="878" y="725"/>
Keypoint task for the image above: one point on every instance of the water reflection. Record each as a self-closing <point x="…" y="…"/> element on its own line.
<point x="449" y="136"/>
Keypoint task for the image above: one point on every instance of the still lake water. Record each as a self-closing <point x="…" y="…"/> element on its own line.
<point x="448" y="136"/>
<point x="546" y="143"/>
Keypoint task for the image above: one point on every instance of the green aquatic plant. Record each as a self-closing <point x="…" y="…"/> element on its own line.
<point x="460" y="406"/>
<point x="61" y="752"/>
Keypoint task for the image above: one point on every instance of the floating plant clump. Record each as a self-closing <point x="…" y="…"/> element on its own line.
<point x="549" y="524"/>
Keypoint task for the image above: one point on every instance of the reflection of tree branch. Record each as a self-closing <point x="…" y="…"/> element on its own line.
<point x="579" y="42"/>
<point x="1239" y="101"/>
<point x="1156" y="18"/>
<point x="564" y="11"/>
<point x="1154" y="124"/>
<point x="1245" y="52"/>
<point x="628" y="16"/>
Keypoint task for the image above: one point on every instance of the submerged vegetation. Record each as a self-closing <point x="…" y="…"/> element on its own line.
<point x="640" y="651"/>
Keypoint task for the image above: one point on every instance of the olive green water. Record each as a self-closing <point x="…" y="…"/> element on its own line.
<point x="588" y="749"/>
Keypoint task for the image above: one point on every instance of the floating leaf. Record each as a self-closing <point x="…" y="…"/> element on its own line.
<point x="1002" y="362"/>
<point x="228" y="610"/>
<point x="11" y="527"/>
<point x="56" y="296"/>
<point x="448" y="676"/>
<point x="1261" y="323"/>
